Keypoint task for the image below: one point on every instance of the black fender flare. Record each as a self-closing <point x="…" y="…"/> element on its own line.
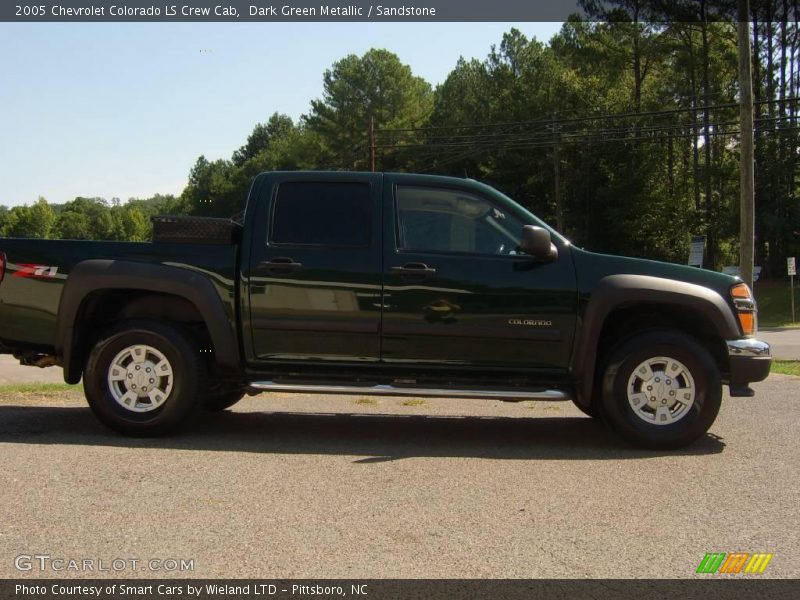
<point x="618" y="291"/>
<point x="94" y="275"/>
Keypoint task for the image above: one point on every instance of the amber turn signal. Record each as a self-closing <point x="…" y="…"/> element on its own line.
<point x="745" y="308"/>
<point x="747" y="322"/>
<point x="741" y="290"/>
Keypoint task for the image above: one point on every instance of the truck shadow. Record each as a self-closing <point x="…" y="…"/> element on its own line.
<point x="372" y="438"/>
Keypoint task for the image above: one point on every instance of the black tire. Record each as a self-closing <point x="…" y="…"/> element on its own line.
<point x="693" y="422"/>
<point x="590" y="411"/>
<point x="175" y="404"/>
<point x="219" y="399"/>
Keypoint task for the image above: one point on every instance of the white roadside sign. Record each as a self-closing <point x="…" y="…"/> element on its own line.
<point x="735" y="270"/>
<point x="790" y="266"/>
<point x="696" y="251"/>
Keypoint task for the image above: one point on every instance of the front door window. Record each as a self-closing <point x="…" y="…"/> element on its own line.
<point x="441" y="220"/>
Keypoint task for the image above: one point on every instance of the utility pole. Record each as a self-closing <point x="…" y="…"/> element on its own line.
<point x="557" y="177"/>
<point x="746" y="160"/>
<point x="372" y="144"/>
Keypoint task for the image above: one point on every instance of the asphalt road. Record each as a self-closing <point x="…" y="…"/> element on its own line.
<point x="300" y="486"/>
<point x="784" y="342"/>
<point x="13" y="373"/>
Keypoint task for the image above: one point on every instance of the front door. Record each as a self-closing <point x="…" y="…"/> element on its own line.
<point x="457" y="291"/>
<point x="314" y="280"/>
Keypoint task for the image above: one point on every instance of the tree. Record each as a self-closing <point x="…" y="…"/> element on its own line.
<point x="211" y="191"/>
<point x="35" y="221"/>
<point x="356" y="89"/>
<point x="131" y="223"/>
<point x="624" y="35"/>
<point x="73" y="225"/>
<point x="86" y="219"/>
<point x="219" y="188"/>
<point x="277" y="128"/>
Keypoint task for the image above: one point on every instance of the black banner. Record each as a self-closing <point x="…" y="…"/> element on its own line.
<point x="285" y="11"/>
<point x="355" y="10"/>
<point x="397" y="589"/>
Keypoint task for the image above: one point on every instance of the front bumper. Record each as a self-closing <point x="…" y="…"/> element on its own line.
<point x="749" y="360"/>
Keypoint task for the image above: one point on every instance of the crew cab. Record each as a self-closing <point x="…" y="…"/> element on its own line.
<point x="379" y="283"/>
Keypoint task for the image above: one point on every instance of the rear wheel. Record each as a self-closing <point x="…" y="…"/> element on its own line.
<point x="661" y="390"/>
<point x="221" y="397"/>
<point x="142" y="378"/>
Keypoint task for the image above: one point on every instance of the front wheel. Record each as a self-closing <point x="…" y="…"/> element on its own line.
<point x="142" y="378"/>
<point x="661" y="390"/>
<point x="222" y="397"/>
<point x="589" y="411"/>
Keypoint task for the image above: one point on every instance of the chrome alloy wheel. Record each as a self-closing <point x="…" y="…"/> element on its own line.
<point x="661" y="390"/>
<point x="140" y="378"/>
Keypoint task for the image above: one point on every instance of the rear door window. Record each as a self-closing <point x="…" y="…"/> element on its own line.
<point x="322" y="214"/>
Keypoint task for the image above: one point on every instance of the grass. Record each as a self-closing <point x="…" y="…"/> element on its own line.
<point x="39" y="388"/>
<point x="787" y="367"/>
<point x="413" y="402"/>
<point x="535" y="405"/>
<point x="774" y="303"/>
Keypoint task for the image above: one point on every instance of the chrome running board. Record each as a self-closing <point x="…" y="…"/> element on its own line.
<point x="390" y="390"/>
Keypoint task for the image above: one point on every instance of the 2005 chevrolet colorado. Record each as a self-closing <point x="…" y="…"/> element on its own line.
<point x="375" y="283"/>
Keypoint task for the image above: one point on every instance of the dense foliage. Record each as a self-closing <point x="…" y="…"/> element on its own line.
<point x="622" y="131"/>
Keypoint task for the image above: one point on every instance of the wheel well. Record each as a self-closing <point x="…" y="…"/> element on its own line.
<point x="103" y="307"/>
<point x="625" y="322"/>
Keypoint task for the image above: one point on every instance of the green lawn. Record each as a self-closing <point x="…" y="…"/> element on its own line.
<point x="774" y="303"/>
<point x="38" y="388"/>
<point x="787" y="367"/>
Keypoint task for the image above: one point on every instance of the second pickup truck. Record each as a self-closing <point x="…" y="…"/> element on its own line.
<point x="374" y="283"/>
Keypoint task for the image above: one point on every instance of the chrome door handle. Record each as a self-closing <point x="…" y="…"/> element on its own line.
<point x="280" y="264"/>
<point x="414" y="270"/>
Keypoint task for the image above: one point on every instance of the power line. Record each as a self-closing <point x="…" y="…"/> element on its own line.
<point x="453" y="156"/>
<point x="547" y="138"/>
<point x="665" y="112"/>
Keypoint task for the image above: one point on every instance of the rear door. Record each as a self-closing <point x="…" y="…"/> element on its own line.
<point x="315" y="268"/>
<point x="457" y="292"/>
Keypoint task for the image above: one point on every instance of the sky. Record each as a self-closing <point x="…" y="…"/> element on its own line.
<point x="124" y="109"/>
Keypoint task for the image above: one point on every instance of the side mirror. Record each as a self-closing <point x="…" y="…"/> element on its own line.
<point x="537" y="243"/>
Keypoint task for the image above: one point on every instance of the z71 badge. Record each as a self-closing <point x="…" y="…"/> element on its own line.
<point x="36" y="271"/>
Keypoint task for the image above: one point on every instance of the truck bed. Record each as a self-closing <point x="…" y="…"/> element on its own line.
<point x="37" y="270"/>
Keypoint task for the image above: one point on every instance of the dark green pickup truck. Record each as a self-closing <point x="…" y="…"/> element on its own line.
<point x="374" y="283"/>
